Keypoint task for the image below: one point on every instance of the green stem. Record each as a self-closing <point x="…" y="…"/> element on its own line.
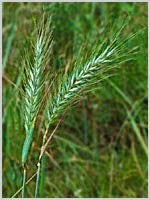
<point x="39" y="165"/>
<point x="44" y="145"/>
<point x="37" y="179"/>
<point x="24" y="180"/>
<point x="42" y="177"/>
<point x="20" y="189"/>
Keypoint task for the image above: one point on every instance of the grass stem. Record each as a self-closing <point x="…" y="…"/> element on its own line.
<point x="20" y="189"/>
<point x="42" y="177"/>
<point x="24" y="180"/>
<point x="37" y="179"/>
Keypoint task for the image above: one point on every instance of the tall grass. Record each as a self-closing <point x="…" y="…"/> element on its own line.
<point x="109" y="121"/>
<point x="88" y="70"/>
<point x="34" y="83"/>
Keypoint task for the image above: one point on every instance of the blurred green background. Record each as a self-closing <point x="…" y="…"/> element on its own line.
<point x="100" y="149"/>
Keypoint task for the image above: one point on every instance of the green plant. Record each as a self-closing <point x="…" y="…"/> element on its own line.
<point x="34" y="82"/>
<point x="88" y="70"/>
<point x="99" y="149"/>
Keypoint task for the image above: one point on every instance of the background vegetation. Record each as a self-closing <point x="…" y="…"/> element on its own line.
<point x="100" y="149"/>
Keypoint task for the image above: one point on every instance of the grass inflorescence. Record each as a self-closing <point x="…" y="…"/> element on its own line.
<point x="34" y="82"/>
<point x="87" y="71"/>
<point x="72" y="58"/>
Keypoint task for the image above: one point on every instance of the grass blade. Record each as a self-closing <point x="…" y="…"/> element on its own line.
<point x="138" y="133"/>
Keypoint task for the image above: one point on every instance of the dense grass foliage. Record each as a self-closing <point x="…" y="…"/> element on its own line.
<point x="100" y="148"/>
